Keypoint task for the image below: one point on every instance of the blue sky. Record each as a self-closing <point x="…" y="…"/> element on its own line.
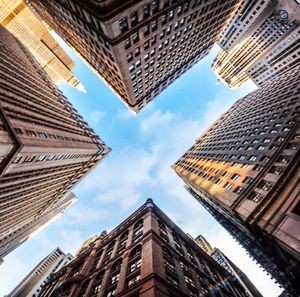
<point x="143" y="149"/>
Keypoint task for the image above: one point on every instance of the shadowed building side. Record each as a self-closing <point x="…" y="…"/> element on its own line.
<point x="147" y="255"/>
<point x="138" y="47"/>
<point x="45" y="145"/>
<point x="247" y="165"/>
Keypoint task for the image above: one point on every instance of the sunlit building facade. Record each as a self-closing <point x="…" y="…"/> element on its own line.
<point x="16" y="17"/>
<point x="147" y="255"/>
<point x="45" y="145"/>
<point x="260" y="42"/>
<point x="221" y="258"/>
<point x="246" y="165"/>
<point x="138" y="48"/>
<point x="34" y="282"/>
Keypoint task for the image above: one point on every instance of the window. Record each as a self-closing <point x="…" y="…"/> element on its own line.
<point x="134" y="18"/>
<point x="134" y="280"/>
<point x="135" y="265"/>
<point x="228" y="186"/>
<point x="29" y="159"/>
<point x="235" y="177"/>
<point x="188" y="279"/>
<point x="146" y="10"/>
<point x="238" y="190"/>
<point x="138" y="231"/>
<point x="252" y="158"/>
<point x="261" y="148"/>
<point x="123" y="24"/>
<point x="111" y="293"/>
<point x="98" y="282"/>
<point x="245" y="166"/>
<point x="255" y="197"/>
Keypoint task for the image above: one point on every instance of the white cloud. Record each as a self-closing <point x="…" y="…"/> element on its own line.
<point x="79" y="215"/>
<point x="96" y="116"/>
<point x="71" y="241"/>
<point x="125" y="114"/>
<point x="11" y="270"/>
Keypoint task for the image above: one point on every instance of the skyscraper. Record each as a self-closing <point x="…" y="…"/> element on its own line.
<point x="245" y="169"/>
<point x="138" y="48"/>
<point x="218" y="256"/>
<point x="260" y="42"/>
<point x="33" y="283"/>
<point x="16" y="17"/>
<point x="146" y="255"/>
<point x="45" y="145"/>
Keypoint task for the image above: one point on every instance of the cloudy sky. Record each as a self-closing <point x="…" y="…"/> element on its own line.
<point x="143" y="149"/>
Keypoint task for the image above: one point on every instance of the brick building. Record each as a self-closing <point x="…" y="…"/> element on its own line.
<point x="138" y="47"/>
<point x="147" y="255"/>
<point x="45" y="145"/>
<point x="246" y="167"/>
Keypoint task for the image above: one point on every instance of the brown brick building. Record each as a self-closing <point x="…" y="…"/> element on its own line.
<point x="261" y="41"/>
<point x="246" y="166"/>
<point x="45" y="145"/>
<point x="138" y="47"/>
<point x="147" y="255"/>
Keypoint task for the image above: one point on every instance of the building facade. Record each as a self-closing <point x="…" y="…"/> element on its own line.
<point x="218" y="256"/>
<point x="45" y="145"/>
<point x="16" y="17"/>
<point x="34" y="282"/>
<point x="35" y="225"/>
<point x="138" y="47"/>
<point x="146" y="255"/>
<point x="260" y="42"/>
<point x="246" y="165"/>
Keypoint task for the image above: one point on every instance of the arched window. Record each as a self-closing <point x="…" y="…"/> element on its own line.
<point x="98" y="282"/>
<point x="135" y="259"/>
<point x="138" y="230"/>
<point x="117" y="265"/>
<point x="169" y="262"/>
<point x="135" y="252"/>
<point x="115" y="272"/>
<point x="163" y="231"/>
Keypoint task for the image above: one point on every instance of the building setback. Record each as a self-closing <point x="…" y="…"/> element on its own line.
<point x="218" y="256"/>
<point x="146" y="255"/>
<point x="245" y="168"/>
<point x="16" y="17"/>
<point x="261" y="42"/>
<point x="138" y="47"/>
<point x="33" y="283"/>
<point x="45" y="145"/>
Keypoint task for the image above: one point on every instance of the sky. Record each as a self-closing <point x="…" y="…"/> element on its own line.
<point x="144" y="147"/>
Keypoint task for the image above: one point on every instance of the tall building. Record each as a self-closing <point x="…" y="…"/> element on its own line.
<point x="147" y="255"/>
<point x="260" y="42"/>
<point x="16" y="17"/>
<point x="218" y="256"/>
<point x="33" y="283"/>
<point x="246" y="166"/>
<point x="138" y="47"/>
<point x="35" y="225"/>
<point x="45" y="145"/>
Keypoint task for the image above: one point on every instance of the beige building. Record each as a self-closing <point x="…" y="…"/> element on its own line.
<point x="138" y="47"/>
<point x="46" y="147"/>
<point x="16" y="17"/>
<point x="246" y="165"/>
<point x="260" y="42"/>
<point x="34" y="282"/>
